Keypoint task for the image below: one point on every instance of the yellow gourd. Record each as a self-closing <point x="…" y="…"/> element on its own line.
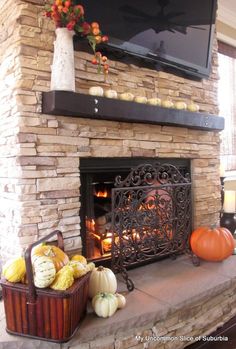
<point x="14" y="270"/>
<point x="79" y="269"/>
<point x="79" y="258"/>
<point x="64" y="279"/>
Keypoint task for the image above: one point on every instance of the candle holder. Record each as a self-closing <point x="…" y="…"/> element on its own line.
<point x="228" y="220"/>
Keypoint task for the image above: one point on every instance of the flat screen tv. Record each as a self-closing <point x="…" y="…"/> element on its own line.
<point x="168" y="33"/>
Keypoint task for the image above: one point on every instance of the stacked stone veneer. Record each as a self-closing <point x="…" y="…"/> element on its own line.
<point x="40" y="154"/>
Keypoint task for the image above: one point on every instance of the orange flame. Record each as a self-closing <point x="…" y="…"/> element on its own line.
<point x="102" y="194"/>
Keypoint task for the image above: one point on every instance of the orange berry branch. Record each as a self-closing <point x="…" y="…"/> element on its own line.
<point x="66" y="14"/>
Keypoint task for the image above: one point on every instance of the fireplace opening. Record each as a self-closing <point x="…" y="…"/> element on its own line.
<point x="98" y="178"/>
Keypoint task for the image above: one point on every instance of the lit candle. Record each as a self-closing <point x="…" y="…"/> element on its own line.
<point x="222" y="170"/>
<point x="229" y="201"/>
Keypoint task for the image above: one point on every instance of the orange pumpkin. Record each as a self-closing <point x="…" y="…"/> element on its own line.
<point x="59" y="258"/>
<point x="212" y="243"/>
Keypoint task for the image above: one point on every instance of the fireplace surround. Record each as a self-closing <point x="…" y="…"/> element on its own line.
<point x="134" y="210"/>
<point x="41" y="149"/>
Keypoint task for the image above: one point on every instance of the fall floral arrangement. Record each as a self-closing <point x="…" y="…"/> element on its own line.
<point x="66" y="14"/>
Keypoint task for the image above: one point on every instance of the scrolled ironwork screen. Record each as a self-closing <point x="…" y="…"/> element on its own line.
<point x="151" y="216"/>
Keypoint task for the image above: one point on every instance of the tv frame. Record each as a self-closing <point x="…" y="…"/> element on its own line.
<point x="173" y="65"/>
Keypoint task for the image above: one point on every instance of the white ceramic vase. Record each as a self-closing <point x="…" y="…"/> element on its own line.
<point x="63" y="66"/>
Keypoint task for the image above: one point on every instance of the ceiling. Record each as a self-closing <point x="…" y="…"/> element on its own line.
<point x="227" y="12"/>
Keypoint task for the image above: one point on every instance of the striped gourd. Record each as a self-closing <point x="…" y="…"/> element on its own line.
<point x="44" y="271"/>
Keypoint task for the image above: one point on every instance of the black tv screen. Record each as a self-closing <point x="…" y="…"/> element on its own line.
<point x="170" y="33"/>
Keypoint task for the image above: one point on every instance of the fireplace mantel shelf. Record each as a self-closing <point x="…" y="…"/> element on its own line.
<point x="81" y="105"/>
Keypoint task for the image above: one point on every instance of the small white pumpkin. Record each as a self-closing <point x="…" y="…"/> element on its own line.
<point x="102" y="280"/>
<point x="180" y="105"/>
<point x="154" y="101"/>
<point x="193" y="107"/>
<point x="96" y="91"/>
<point x="110" y="94"/>
<point x="105" y="304"/>
<point x="126" y="96"/>
<point x="166" y="103"/>
<point x="121" y="300"/>
<point x="140" y="99"/>
<point x="44" y="271"/>
<point x="90" y="266"/>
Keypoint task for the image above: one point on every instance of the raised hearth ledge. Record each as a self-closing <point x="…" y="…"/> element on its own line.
<point x="171" y="298"/>
<point x="82" y="105"/>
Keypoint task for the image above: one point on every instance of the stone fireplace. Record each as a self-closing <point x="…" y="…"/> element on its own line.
<point x="42" y="153"/>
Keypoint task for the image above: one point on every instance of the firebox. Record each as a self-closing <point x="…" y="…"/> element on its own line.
<point x="145" y="215"/>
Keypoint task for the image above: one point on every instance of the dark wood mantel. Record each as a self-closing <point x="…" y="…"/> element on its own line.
<point x="81" y="105"/>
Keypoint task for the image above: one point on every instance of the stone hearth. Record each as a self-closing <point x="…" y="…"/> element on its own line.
<point x="172" y="301"/>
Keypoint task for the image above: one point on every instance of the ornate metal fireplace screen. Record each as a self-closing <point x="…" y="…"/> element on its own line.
<point x="151" y="216"/>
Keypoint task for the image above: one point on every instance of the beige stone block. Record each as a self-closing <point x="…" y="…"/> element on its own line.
<point x="70" y="213"/>
<point x="106" y="142"/>
<point x="49" y="225"/>
<point x="30" y="220"/>
<point x="38" y="174"/>
<point x="107" y="151"/>
<point x="70" y="220"/>
<point x="56" y="148"/>
<point x="38" y="130"/>
<point x="63" y="140"/>
<point x="25" y="152"/>
<point x="30" y="229"/>
<point x="69" y="206"/>
<point x="49" y="184"/>
<point x="56" y="194"/>
<point x="53" y="123"/>
<point x="37" y="160"/>
<point x="68" y="162"/>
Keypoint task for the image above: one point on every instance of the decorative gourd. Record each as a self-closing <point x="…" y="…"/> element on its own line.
<point x="79" y="258"/>
<point x="212" y="243"/>
<point x="166" y="103"/>
<point x="90" y="266"/>
<point x="64" y="279"/>
<point x="96" y="91"/>
<point x="44" y="271"/>
<point x="121" y="300"/>
<point x="140" y="99"/>
<point x="126" y="96"/>
<point x="180" y="105"/>
<point x="14" y="270"/>
<point x="111" y="94"/>
<point x="193" y="107"/>
<point x="154" y="101"/>
<point x="79" y="269"/>
<point x="105" y="304"/>
<point x="102" y="280"/>
<point x="58" y="256"/>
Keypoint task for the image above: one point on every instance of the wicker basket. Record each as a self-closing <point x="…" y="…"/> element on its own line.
<point x="44" y="313"/>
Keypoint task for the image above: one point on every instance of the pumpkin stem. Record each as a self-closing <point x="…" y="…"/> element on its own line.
<point x="213" y="226"/>
<point x="100" y="268"/>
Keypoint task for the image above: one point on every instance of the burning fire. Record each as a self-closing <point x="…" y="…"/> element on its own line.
<point x="101" y="194"/>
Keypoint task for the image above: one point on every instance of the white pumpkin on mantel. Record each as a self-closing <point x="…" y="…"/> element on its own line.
<point x="102" y="280"/>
